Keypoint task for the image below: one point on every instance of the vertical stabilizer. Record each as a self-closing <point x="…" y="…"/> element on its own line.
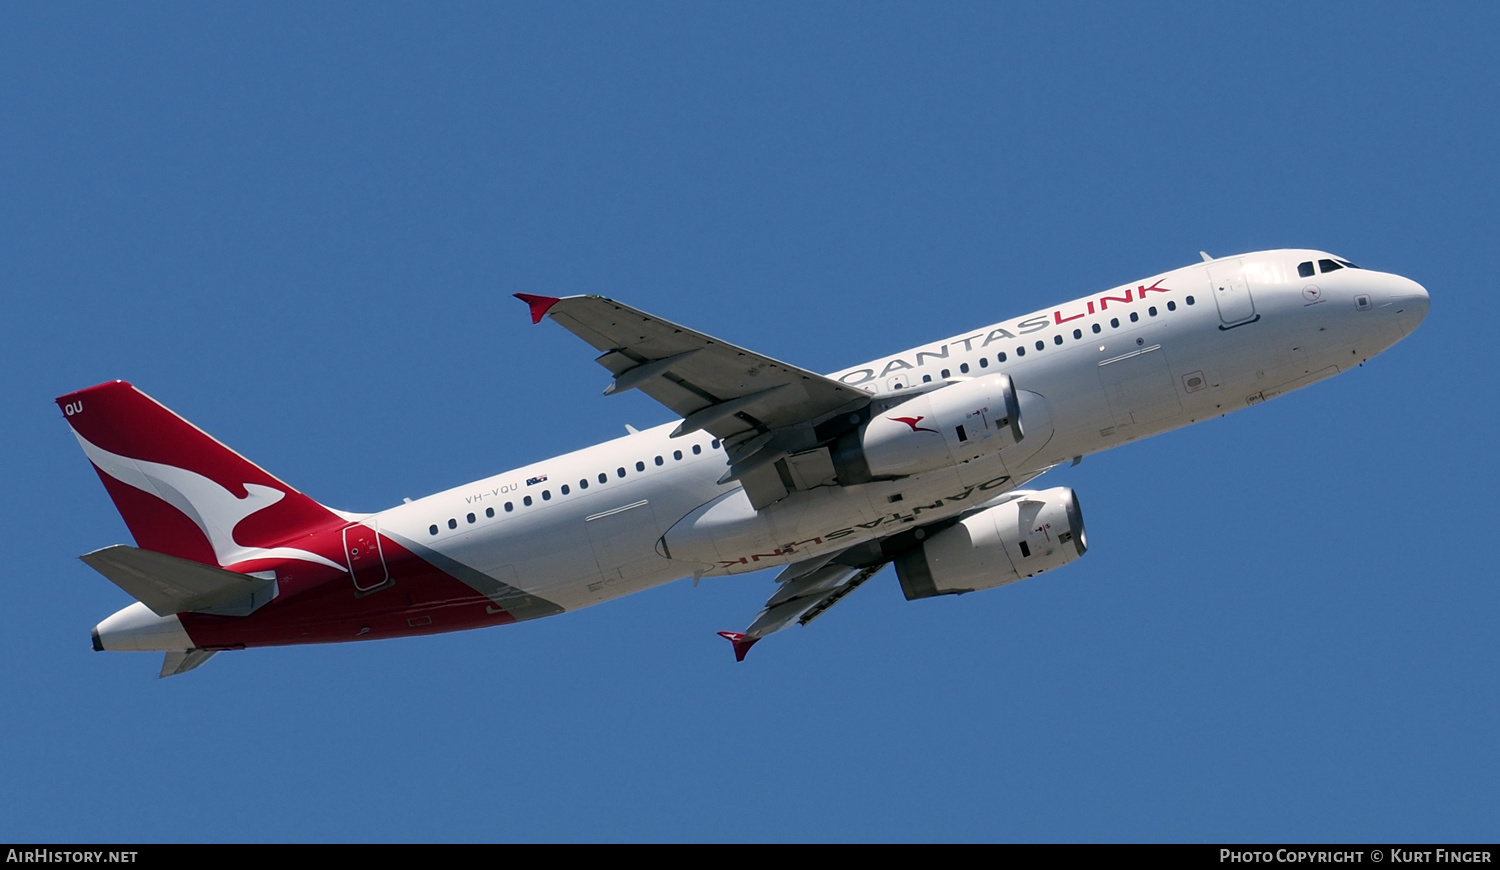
<point x="183" y="493"/>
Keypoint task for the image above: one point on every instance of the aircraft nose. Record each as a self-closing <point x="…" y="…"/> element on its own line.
<point x="1410" y="301"/>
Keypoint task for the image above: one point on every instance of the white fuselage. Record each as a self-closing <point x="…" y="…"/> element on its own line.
<point x="1094" y="373"/>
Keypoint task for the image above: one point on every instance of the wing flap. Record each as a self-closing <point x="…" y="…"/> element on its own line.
<point x="636" y="375"/>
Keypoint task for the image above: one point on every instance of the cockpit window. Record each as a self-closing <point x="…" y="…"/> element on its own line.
<point x="1348" y="264"/>
<point x="1328" y="266"/>
<point x="1305" y="269"/>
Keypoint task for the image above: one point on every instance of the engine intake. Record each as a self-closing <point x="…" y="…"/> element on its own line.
<point x="1032" y="533"/>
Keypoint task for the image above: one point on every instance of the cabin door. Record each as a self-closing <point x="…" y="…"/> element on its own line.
<point x="366" y="561"/>
<point x="1232" y="294"/>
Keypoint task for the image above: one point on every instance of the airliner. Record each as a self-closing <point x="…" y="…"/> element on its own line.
<point x="921" y="460"/>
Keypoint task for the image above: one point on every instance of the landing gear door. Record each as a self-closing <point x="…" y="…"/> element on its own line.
<point x="1232" y="293"/>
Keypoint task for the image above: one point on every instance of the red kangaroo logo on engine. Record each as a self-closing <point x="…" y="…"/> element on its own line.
<point x="912" y="422"/>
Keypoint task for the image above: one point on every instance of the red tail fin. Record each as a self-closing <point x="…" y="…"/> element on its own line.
<point x="180" y="491"/>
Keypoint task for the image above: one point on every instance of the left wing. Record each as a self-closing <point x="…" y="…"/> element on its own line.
<point x="807" y="589"/>
<point x="765" y="411"/>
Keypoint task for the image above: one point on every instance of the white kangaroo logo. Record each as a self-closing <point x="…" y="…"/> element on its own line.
<point x="213" y="508"/>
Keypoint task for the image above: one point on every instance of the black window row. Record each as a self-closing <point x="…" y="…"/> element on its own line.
<point x="565" y="489"/>
<point x="1041" y="344"/>
<point x="1305" y="268"/>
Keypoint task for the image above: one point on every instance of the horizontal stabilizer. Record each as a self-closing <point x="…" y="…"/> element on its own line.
<point x="182" y="661"/>
<point x="170" y="585"/>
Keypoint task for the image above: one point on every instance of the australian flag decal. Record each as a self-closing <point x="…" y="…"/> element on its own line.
<point x="533" y="481"/>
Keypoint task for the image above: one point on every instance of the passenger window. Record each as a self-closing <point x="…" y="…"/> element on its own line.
<point x="1305" y="269"/>
<point x="470" y="518"/>
<point x="677" y="454"/>
<point x="697" y="448"/>
<point x="984" y="362"/>
<point x="945" y="373"/>
<point x="715" y="444"/>
<point x="1171" y="306"/>
<point x="1000" y="357"/>
<point x="658" y="460"/>
<point x="526" y="501"/>
<point x="1020" y="351"/>
<point x="1077" y="334"/>
<point x="546" y="495"/>
<point x="603" y="478"/>
<point x="583" y="483"/>
<point x="1057" y="339"/>
<point x="509" y="506"/>
<point x="1134" y="316"/>
<point x="1326" y="266"/>
<point x="489" y="512"/>
<point x="1189" y="300"/>
<point x="1151" y="311"/>
<point x="640" y="466"/>
<point x="1114" y="323"/>
<point x="963" y="369"/>
<point x="453" y="524"/>
<point x="1097" y="330"/>
<point x="1040" y="345"/>
<point x="432" y="529"/>
<point x="620" y="471"/>
<point x="564" y="491"/>
<point x="927" y="379"/>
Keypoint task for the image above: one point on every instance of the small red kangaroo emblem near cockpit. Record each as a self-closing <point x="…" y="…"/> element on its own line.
<point x="912" y="422"/>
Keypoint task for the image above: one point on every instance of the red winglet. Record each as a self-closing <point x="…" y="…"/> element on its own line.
<point x="539" y="305"/>
<point x="741" y="645"/>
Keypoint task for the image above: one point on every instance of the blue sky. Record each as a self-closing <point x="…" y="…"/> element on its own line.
<point x="300" y="226"/>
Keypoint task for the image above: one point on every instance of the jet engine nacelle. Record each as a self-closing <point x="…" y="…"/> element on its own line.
<point x="1032" y="533"/>
<point x="938" y="429"/>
